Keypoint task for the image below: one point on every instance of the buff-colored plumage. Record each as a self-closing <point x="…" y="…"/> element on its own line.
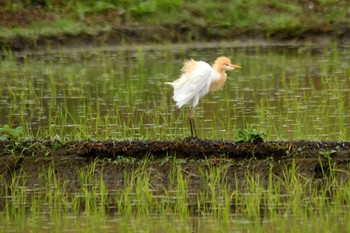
<point x="197" y="79"/>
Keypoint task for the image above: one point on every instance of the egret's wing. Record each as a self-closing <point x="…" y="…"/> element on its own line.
<point x="193" y="84"/>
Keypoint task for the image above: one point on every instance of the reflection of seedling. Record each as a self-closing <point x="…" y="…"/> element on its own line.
<point x="250" y="135"/>
<point x="6" y="132"/>
<point x="330" y="168"/>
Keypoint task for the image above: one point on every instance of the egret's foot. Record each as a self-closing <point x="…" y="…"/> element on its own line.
<point x="191" y="139"/>
<point x="193" y="128"/>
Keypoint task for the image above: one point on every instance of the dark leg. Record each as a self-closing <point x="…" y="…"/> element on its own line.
<point x="192" y="124"/>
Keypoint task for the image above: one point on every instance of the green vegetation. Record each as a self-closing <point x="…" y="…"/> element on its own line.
<point x="250" y="135"/>
<point x="219" y="18"/>
<point x="286" y="200"/>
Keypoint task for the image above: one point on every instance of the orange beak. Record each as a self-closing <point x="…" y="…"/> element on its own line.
<point x="236" y="66"/>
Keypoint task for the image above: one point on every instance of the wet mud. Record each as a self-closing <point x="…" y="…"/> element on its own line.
<point x="113" y="159"/>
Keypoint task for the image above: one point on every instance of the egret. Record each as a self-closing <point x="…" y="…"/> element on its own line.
<point x="196" y="80"/>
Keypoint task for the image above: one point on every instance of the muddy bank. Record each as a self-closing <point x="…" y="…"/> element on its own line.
<point x="313" y="160"/>
<point x="127" y="35"/>
<point x="54" y="24"/>
<point x="189" y="148"/>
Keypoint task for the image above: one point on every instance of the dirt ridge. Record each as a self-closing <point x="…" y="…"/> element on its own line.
<point x="182" y="148"/>
<point x="112" y="159"/>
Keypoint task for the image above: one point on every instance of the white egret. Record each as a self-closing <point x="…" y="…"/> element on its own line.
<point x="196" y="80"/>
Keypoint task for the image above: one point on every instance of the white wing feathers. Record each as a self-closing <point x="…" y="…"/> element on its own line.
<point x="193" y="84"/>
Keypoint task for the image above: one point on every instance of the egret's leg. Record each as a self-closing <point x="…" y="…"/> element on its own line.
<point x="192" y="124"/>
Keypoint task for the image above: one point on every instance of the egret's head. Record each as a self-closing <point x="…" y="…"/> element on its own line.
<point x="224" y="63"/>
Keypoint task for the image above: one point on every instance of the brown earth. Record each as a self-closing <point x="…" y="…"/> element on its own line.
<point x="313" y="160"/>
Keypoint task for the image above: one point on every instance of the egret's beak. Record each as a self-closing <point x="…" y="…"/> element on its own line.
<point x="235" y="66"/>
<point x="231" y="67"/>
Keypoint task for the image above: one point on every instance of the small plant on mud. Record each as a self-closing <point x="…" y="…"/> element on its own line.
<point x="250" y="135"/>
<point x="8" y="133"/>
<point x="328" y="153"/>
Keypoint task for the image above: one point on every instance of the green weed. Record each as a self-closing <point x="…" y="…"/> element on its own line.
<point x="250" y="135"/>
<point x="8" y="133"/>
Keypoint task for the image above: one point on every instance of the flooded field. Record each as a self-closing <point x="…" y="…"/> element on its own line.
<point x="136" y="180"/>
<point x="287" y="91"/>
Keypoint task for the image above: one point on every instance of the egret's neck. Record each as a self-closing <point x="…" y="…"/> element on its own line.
<point x="219" y="78"/>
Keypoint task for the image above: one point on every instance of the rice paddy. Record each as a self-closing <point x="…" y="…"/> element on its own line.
<point x="288" y="202"/>
<point x="289" y="92"/>
<point x="285" y="91"/>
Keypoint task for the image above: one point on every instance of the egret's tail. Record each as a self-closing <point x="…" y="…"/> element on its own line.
<point x="179" y="103"/>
